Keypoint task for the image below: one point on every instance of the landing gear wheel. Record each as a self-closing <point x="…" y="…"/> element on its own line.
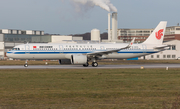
<point x="95" y="64"/>
<point x="86" y="65"/>
<point x="25" y="65"/>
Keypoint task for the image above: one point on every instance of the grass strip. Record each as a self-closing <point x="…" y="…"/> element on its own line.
<point x="98" y="89"/>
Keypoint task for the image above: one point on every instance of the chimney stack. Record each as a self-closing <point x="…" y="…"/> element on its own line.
<point x="109" y="27"/>
<point x="114" y="26"/>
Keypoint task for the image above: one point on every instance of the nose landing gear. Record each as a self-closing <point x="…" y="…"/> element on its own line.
<point x="26" y="63"/>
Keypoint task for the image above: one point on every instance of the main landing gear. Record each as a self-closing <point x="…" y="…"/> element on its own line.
<point x="26" y="63"/>
<point x="94" y="64"/>
<point x="86" y="65"/>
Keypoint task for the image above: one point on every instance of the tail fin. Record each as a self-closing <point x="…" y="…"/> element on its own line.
<point x="157" y="35"/>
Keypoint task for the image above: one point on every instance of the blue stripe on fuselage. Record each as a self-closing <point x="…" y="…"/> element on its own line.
<point x="78" y="52"/>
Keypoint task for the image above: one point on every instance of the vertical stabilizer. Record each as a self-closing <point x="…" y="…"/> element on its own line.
<point x="157" y="35"/>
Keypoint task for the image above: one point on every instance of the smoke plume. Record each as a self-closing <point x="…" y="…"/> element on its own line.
<point x="87" y="4"/>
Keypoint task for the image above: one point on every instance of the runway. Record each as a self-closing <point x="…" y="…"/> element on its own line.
<point x="151" y="66"/>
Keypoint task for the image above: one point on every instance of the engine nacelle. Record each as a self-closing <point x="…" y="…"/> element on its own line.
<point x="78" y="59"/>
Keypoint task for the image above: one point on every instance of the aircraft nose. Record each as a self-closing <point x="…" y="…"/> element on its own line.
<point x="9" y="54"/>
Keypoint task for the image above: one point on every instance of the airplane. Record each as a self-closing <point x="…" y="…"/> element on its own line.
<point x="82" y="54"/>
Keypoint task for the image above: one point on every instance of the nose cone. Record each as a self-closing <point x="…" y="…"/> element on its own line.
<point x="9" y="54"/>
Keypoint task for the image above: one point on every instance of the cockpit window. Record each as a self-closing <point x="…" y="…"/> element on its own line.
<point x="16" y="49"/>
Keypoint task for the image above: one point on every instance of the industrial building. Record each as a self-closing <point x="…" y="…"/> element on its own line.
<point x="126" y="35"/>
<point x="172" y="33"/>
<point x="172" y="53"/>
<point x="10" y="38"/>
<point x="172" y="38"/>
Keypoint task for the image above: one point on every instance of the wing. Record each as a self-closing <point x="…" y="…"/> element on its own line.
<point x="111" y="51"/>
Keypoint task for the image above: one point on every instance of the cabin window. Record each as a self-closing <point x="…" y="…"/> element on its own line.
<point x="16" y="49"/>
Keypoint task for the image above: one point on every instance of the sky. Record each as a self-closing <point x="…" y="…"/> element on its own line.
<point x="62" y="17"/>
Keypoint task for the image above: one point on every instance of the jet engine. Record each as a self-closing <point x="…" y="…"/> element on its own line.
<point x="78" y="59"/>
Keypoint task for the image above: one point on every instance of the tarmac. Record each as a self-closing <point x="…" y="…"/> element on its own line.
<point x="143" y="66"/>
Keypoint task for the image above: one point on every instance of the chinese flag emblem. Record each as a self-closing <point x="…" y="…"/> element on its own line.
<point x="34" y="46"/>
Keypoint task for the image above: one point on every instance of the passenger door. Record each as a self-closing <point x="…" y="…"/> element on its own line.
<point x="144" y="48"/>
<point x="102" y="47"/>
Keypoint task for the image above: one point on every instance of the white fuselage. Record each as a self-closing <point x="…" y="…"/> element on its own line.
<point x="63" y="51"/>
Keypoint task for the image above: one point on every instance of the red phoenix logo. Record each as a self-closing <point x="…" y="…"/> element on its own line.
<point x="34" y="46"/>
<point x="159" y="34"/>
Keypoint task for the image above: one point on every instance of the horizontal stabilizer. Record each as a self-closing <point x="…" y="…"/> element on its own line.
<point x="162" y="47"/>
